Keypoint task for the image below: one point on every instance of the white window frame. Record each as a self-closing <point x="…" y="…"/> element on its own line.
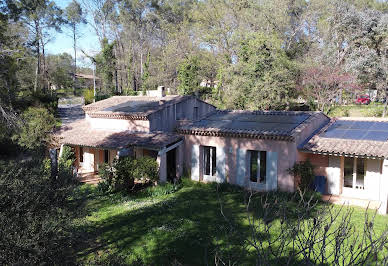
<point x="354" y="191"/>
<point x="212" y="167"/>
<point x="258" y="167"/>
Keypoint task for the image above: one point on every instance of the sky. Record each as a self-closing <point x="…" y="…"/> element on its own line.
<point x="63" y="42"/>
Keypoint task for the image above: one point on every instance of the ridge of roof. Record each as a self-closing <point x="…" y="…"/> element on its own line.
<point x="95" y="110"/>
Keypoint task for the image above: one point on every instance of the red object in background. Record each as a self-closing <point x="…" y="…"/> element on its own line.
<point x="363" y="99"/>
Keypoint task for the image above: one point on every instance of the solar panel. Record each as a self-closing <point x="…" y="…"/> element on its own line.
<point x="358" y="130"/>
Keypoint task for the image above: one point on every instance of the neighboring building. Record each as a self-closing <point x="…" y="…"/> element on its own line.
<point x="253" y="149"/>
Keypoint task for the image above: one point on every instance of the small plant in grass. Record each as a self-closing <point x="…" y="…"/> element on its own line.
<point x="160" y="190"/>
<point x="304" y="174"/>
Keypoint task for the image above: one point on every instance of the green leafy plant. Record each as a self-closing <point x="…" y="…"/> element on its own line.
<point x="304" y="174"/>
<point x="88" y="96"/>
<point x="122" y="174"/>
<point x="35" y="128"/>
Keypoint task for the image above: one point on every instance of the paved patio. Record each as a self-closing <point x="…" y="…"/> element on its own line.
<point x="341" y="200"/>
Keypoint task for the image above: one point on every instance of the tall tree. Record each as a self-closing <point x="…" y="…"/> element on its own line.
<point x="75" y="17"/>
<point x="40" y="16"/>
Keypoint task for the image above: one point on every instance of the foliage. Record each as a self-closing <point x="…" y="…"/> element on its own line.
<point x="35" y="215"/>
<point x="188" y="76"/>
<point x="37" y="124"/>
<point x="304" y="173"/>
<point x="88" y="96"/>
<point x="160" y="190"/>
<point x="263" y="77"/>
<point x="106" y="61"/>
<point x="122" y="174"/>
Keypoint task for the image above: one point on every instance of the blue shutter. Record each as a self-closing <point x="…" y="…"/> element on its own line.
<point x="241" y="167"/>
<point x="195" y="163"/>
<point x="220" y="161"/>
<point x="272" y="171"/>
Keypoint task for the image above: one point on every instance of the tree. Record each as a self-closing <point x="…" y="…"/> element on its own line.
<point x="263" y="76"/>
<point x="40" y="16"/>
<point x="75" y="17"/>
<point x="322" y="83"/>
<point x="59" y="67"/>
<point x="106" y="63"/>
<point x="36" y="126"/>
<point x="188" y="76"/>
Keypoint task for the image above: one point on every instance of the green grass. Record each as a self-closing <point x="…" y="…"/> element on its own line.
<point x="371" y="110"/>
<point x="163" y="226"/>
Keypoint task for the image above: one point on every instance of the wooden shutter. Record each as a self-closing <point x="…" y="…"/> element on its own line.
<point x="241" y="167"/>
<point x="220" y="161"/>
<point x="272" y="171"/>
<point x="195" y="163"/>
<point x="334" y="175"/>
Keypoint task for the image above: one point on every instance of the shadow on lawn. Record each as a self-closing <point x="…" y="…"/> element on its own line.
<point x="187" y="227"/>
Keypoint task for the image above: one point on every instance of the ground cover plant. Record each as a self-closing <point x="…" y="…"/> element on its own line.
<point x="201" y="224"/>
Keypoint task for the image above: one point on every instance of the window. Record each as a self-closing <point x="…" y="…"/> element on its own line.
<point x="258" y="166"/>
<point x="209" y="160"/>
<point x="81" y="154"/>
<point x="106" y="156"/>
<point x="354" y="173"/>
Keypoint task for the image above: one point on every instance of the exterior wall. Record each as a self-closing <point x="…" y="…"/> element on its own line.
<point x="375" y="181"/>
<point x="168" y="118"/>
<point x="232" y="147"/>
<point x="93" y="158"/>
<point x="119" y="124"/>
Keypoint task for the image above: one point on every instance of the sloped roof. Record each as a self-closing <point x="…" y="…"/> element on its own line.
<point x="280" y="125"/>
<point x="80" y="133"/>
<point x="130" y="107"/>
<point x="364" y="137"/>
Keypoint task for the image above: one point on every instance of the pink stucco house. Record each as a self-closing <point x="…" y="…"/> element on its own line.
<point x="252" y="149"/>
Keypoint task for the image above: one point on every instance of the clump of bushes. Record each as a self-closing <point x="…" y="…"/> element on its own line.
<point x="88" y="96"/>
<point x="35" y="214"/>
<point x="123" y="172"/>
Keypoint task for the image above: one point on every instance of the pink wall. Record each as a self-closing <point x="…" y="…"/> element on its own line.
<point x="321" y="162"/>
<point x="286" y="155"/>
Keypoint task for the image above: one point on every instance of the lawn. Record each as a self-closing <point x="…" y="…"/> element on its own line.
<point x="184" y="227"/>
<point x="353" y="110"/>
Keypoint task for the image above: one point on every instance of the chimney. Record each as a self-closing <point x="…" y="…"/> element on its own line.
<point x="161" y="91"/>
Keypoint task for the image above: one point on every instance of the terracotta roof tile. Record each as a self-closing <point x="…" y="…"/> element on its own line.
<point x="341" y="145"/>
<point x="80" y="133"/>
<point x="252" y="124"/>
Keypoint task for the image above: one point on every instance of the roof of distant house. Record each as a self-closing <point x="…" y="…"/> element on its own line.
<point x="86" y="76"/>
<point x="365" y="137"/>
<point x="281" y="125"/>
<point x="80" y="133"/>
<point x="130" y="107"/>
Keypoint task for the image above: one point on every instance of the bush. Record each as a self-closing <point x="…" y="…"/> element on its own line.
<point x="304" y="173"/>
<point x="35" y="128"/>
<point x="121" y="176"/>
<point x="35" y="220"/>
<point x="65" y="164"/>
<point x="88" y="96"/>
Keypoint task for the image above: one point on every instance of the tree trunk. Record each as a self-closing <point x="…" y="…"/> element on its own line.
<point x="45" y="78"/>
<point x="75" y="60"/>
<point x="37" y="45"/>
<point x="386" y="102"/>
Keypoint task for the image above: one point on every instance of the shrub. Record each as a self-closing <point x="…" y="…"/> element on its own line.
<point x="88" y="96"/>
<point x="160" y="190"/>
<point x="35" y="222"/>
<point x="121" y="176"/>
<point x="65" y="163"/>
<point x="304" y="173"/>
<point x="35" y="128"/>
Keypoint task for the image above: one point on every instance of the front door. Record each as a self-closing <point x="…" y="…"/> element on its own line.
<point x="171" y="165"/>
<point x="88" y="160"/>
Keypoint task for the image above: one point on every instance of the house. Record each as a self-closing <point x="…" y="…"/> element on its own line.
<point x="253" y="149"/>
<point x="133" y="125"/>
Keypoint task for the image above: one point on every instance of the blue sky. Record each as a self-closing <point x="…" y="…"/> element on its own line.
<point x="62" y="42"/>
